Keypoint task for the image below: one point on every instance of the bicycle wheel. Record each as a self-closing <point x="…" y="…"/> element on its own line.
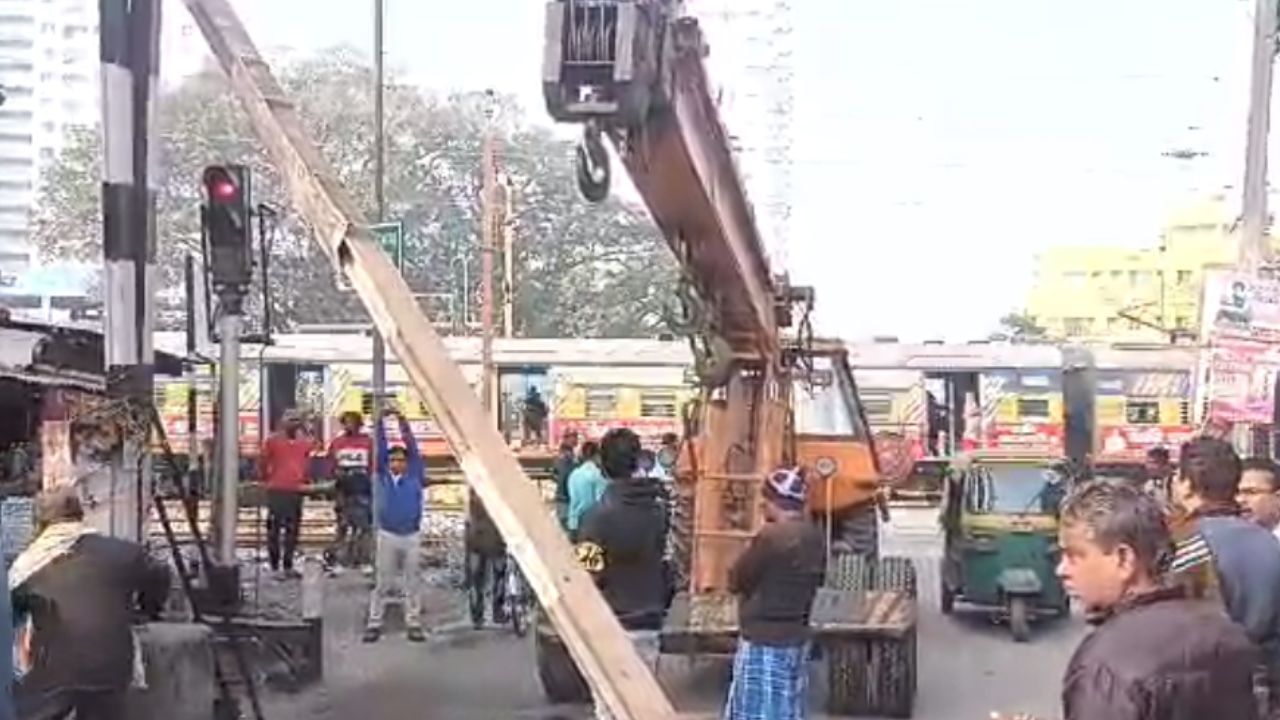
<point x="517" y="601"/>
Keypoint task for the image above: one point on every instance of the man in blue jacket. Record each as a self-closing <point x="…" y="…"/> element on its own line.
<point x="1219" y="555"/>
<point x="401" y="475"/>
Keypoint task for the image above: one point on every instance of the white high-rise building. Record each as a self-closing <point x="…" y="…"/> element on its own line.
<point x="751" y="66"/>
<point x="48" y="73"/>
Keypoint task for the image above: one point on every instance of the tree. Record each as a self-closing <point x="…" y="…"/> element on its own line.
<point x="581" y="269"/>
<point x="1021" y="328"/>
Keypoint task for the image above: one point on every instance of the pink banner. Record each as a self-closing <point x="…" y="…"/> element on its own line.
<point x="1242" y="380"/>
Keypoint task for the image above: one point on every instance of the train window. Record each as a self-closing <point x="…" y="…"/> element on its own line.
<point x="22" y="302"/>
<point x="602" y="403"/>
<point x="366" y="403"/>
<point x="657" y="404"/>
<point x="878" y="405"/>
<point x="1033" y="408"/>
<point x="1142" y="412"/>
<point x="1184" y="412"/>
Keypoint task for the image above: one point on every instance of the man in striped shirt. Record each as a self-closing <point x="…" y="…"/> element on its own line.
<point x="1218" y="554"/>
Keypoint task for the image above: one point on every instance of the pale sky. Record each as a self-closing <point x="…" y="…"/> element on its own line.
<point x="938" y="144"/>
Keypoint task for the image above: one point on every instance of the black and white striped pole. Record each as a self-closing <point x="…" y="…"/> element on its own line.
<point x="129" y="52"/>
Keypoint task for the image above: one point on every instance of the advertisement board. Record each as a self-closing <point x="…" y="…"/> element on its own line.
<point x="1241" y="307"/>
<point x="1241" y="325"/>
<point x="1242" y="380"/>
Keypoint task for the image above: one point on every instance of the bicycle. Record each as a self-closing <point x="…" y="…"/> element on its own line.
<point x="519" y="599"/>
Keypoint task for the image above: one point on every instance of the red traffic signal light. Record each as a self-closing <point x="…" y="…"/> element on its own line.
<point x="220" y="185"/>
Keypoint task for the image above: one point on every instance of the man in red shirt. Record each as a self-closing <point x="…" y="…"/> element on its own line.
<point x="283" y="463"/>
<point x="351" y="461"/>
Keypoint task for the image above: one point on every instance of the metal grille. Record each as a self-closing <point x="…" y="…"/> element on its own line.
<point x="658" y="405"/>
<point x="593" y="34"/>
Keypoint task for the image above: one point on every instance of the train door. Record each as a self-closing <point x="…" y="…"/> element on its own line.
<point x="955" y="411"/>
<point x="518" y="387"/>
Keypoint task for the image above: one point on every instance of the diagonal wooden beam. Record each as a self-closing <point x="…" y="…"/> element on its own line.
<point x="593" y="635"/>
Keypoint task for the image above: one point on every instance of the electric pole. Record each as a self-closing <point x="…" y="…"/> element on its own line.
<point x="1255" y="250"/>
<point x="508" y="260"/>
<point x="379" y="173"/>
<point x="488" y="246"/>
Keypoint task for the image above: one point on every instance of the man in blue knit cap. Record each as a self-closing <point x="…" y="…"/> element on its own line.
<point x="775" y="580"/>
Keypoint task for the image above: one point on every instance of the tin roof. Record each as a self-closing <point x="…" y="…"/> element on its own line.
<point x="61" y="356"/>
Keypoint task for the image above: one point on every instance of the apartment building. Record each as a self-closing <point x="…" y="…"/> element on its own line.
<point x="1134" y="294"/>
<point x="48" y="72"/>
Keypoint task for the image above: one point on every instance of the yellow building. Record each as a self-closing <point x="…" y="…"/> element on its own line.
<point x="1119" y="293"/>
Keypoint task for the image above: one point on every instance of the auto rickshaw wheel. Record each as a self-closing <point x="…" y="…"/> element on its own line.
<point x="872" y="676"/>
<point x="558" y="673"/>
<point x="1020" y="618"/>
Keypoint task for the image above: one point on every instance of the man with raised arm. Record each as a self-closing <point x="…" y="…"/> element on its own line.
<point x="398" y="516"/>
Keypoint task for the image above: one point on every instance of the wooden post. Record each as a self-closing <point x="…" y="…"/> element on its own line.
<point x="57" y="466"/>
<point x="597" y="641"/>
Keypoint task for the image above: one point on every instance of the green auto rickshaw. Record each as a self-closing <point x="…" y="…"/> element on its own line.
<point x="1000" y="519"/>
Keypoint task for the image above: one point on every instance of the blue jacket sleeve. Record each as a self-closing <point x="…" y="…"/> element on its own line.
<point x="380" y="441"/>
<point x="413" y="453"/>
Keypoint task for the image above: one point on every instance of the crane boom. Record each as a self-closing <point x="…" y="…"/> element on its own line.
<point x="596" y="640"/>
<point x="632" y="70"/>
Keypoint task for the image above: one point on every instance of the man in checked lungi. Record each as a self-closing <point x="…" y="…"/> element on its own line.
<point x="775" y="580"/>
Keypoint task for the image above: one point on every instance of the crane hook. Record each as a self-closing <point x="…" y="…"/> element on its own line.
<point x="592" y="165"/>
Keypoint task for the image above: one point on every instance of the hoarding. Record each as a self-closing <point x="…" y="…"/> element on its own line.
<point x="1241" y="326"/>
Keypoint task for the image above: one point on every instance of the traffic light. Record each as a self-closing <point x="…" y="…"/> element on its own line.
<point x="228" y="227"/>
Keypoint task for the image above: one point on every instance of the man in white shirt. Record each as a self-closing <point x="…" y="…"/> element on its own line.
<point x="1259" y="493"/>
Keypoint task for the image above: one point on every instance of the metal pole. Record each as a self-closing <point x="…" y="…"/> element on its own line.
<point x="508" y="264"/>
<point x="1254" y="250"/>
<point x="466" y="294"/>
<point x="488" y="241"/>
<point x="379" y="171"/>
<point x="228" y="435"/>
<point x="128" y="48"/>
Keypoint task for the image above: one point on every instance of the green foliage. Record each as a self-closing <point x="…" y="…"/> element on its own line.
<point x="1021" y="328"/>
<point x="581" y="270"/>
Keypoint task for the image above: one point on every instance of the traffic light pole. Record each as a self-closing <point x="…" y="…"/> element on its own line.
<point x="228" y="503"/>
<point x="227" y="219"/>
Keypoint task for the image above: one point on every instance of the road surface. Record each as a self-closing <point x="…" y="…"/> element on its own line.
<point x="968" y="666"/>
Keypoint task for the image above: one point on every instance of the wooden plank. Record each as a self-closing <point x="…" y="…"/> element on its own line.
<point x="874" y="613"/>
<point x="593" y="635"/>
<point x="695" y="620"/>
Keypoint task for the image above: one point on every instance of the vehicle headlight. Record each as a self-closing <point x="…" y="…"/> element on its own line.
<point x="826" y="466"/>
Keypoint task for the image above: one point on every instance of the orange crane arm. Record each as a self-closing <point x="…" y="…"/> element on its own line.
<point x="632" y="70"/>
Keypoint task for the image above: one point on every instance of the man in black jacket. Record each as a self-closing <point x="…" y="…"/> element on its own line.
<point x="1155" y="655"/>
<point x="621" y="542"/>
<point x="775" y="580"/>
<point x="82" y="592"/>
<point x="565" y="463"/>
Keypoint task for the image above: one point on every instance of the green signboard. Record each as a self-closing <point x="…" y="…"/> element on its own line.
<point x="390" y="237"/>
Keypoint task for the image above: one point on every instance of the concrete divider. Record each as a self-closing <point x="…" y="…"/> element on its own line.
<point x="180" y="679"/>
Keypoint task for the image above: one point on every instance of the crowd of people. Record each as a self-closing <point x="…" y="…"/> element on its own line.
<point x="1180" y="577"/>
<point x="1180" y="574"/>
